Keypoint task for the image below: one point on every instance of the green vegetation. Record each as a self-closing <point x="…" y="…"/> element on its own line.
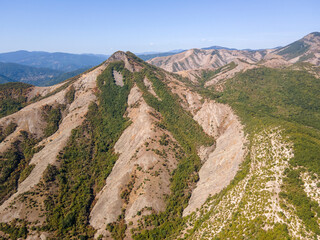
<point x="26" y="172"/>
<point x="255" y="231"/>
<point x="118" y="229"/>
<point x="13" y="162"/>
<point x="13" y="97"/>
<point x="307" y="210"/>
<point x="266" y="98"/>
<point x="270" y="97"/>
<point x="52" y="116"/>
<point x="66" y="84"/>
<point x="63" y="77"/>
<point x="27" y="74"/>
<point x="50" y="173"/>
<point x="280" y="94"/>
<point x="241" y="174"/>
<point x="88" y="158"/>
<point x="206" y="76"/>
<point x="146" y="57"/>
<point x="262" y="98"/>
<point x="70" y="94"/>
<point x="189" y="135"/>
<point x="294" y="49"/>
<point x="7" y="131"/>
<point x="64" y="62"/>
<point x="16" y="230"/>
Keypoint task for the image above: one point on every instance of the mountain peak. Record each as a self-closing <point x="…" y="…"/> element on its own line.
<point x="118" y="56"/>
<point x="315" y="34"/>
<point x="131" y="61"/>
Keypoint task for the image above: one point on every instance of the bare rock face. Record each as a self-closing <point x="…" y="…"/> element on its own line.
<point x="149" y="86"/>
<point x="139" y="180"/>
<point x="306" y="49"/>
<point x="131" y="65"/>
<point x="227" y="74"/>
<point x="29" y="119"/>
<point x="43" y="91"/>
<point x="118" y="78"/>
<point x="189" y="100"/>
<point x="204" y="59"/>
<point x="222" y="162"/>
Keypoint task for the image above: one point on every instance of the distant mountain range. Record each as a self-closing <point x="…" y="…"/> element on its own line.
<point x="64" y="62"/>
<point x="4" y="79"/>
<point x="218" y="47"/>
<point x="20" y="73"/>
<point x="227" y="148"/>
<point x="306" y="49"/>
<point x="45" y="69"/>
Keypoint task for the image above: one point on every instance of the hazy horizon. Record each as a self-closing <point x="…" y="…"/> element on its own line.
<point x="103" y="27"/>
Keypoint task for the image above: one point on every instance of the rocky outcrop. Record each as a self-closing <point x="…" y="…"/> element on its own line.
<point x="28" y="119"/>
<point x="129" y="63"/>
<point x="227" y="73"/>
<point x="204" y="59"/>
<point x="142" y="171"/>
<point x="118" y="78"/>
<point x="256" y="196"/>
<point x="222" y="162"/>
<point x="306" y="49"/>
<point x="149" y="86"/>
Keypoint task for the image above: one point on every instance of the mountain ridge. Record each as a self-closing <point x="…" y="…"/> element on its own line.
<point x="127" y="150"/>
<point x="64" y="62"/>
<point x="215" y="58"/>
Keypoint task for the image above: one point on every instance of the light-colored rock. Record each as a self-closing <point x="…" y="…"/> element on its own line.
<point x="149" y="86"/>
<point x="256" y="196"/>
<point x="204" y="59"/>
<point x="227" y="74"/>
<point x="131" y="65"/>
<point x="222" y="162"/>
<point x="43" y="91"/>
<point x="118" y="78"/>
<point x="28" y="120"/>
<point x="135" y="162"/>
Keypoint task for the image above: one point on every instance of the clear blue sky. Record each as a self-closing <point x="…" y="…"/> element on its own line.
<point x="96" y="26"/>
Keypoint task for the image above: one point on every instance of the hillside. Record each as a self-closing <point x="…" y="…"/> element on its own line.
<point x="201" y="58"/>
<point x="47" y="69"/>
<point x="161" y="150"/>
<point x="127" y="150"/>
<point x="306" y="49"/>
<point x="43" y="68"/>
<point x="13" y="96"/>
<point x="11" y="72"/>
<point x="21" y="73"/>
<point x="274" y="196"/>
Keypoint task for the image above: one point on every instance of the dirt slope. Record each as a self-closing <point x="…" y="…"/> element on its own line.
<point x="139" y="165"/>
<point x="29" y="119"/>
